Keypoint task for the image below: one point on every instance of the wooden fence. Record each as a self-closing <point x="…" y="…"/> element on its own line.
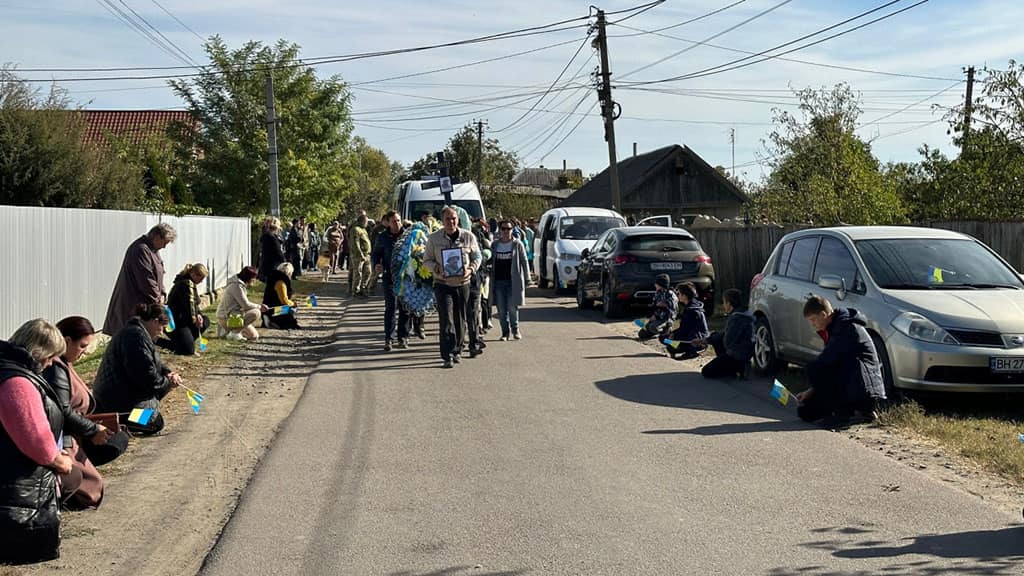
<point x="740" y="253"/>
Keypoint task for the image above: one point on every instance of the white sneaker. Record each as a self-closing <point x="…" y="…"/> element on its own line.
<point x="517" y="335"/>
<point x="235" y="336"/>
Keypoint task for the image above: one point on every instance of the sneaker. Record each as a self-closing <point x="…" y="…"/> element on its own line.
<point x="402" y="343"/>
<point x="235" y="336"/>
<point x="456" y="358"/>
<point x="474" y="352"/>
<point x="420" y="334"/>
<point x="504" y="338"/>
<point x="387" y="346"/>
<point x="517" y="335"/>
<point x="447" y="364"/>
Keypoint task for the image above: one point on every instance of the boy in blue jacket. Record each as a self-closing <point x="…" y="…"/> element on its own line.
<point x="735" y="346"/>
<point x="693" y="325"/>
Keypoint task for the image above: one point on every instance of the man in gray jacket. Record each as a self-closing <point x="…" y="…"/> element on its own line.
<point x="453" y="255"/>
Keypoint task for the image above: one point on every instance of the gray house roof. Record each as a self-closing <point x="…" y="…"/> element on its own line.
<point x="546" y="178"/>
<point x="635" y="170"/>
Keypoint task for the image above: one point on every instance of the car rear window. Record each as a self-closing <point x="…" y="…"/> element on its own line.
<point x="661" y="243"/>
<point x="802" y="259"/>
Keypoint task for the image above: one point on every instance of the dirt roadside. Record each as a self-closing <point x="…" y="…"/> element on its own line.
<point x="163" y="511"/>
<point x="921" y="454"/>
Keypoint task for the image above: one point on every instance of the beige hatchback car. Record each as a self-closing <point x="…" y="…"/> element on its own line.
<point x="944" y="310"/>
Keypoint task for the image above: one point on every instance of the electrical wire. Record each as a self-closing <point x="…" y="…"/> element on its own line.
<point x="760" y="14"/>
<point x="183" y="25"/>
<point x="795" y="60"/>
<point x="546" y="92"/>
<point x="677" y="25"/>
<point x="742" y="62"/>
<point x="569" y="133"/>
<point x="650" y="6"/>
<point x="921" y="101"/>
<point x="125" y="19"/>
<point x="169" y="42"/>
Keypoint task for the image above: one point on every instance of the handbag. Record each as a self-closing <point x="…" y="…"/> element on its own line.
<point x="107" y="419"/>
<point x="235" y="322"/>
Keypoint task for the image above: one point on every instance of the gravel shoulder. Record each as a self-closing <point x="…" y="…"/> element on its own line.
<point x="170" y="496"/>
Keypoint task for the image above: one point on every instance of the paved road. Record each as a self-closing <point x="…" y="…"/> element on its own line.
<point x="578" y="451"/>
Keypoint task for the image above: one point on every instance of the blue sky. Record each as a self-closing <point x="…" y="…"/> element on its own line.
<point x="938" y="39"/>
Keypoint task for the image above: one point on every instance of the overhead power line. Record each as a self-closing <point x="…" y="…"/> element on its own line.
<point x="657" y="32"/>
<point x="183" y="25"/>
<point x="919" y="102"/>
<point x="745" y="61"/>
<point x="169" y="42"/>
<point x="677" y="25"/>
<point x="127" y="20"/>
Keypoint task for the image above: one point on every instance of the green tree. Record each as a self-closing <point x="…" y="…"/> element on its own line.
<point x="231" y="169"/>
<point x="375" y="182"/>
<point x="44" y="161"/>
<point x="822" y="172"/>
<point x="461" y="153"/>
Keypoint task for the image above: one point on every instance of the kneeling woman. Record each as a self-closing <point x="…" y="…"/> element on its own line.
<point x="92" y="444"/>
<point x="189" y="321"/>
<point x="131" y="374"/>
<point x="30" y="453"/>
<point x="279" y="293"/>
<point x="235" y="302"/>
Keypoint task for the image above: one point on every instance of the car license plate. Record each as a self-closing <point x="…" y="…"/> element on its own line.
<point x="666" y="265"/>
<point x="1004" y="365"/>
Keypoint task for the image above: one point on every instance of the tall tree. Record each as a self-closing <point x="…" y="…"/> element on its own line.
<point x="822" y="172"/>
<point x="461" y="153"/>
<point x="44" y="160"/>
<point x="313" y="138"/>
<point x="374" y="181"/>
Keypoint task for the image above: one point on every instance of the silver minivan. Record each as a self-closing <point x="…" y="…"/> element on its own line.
<point x="944" y="310"/>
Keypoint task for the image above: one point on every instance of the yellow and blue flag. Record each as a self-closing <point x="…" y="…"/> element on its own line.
<point x="674" y="344"/>
<point x="780" y="393"/>
<point x="1020" y="437"/>
<point x="203" y="343"/>
<point x="935" y="275"/>
<point x="194" y="400"/>
<point x="640" y="322"/>
<point x="170" y="320"/>
<point x="140" y="416"/>
<point x="311" y="301"/>
<point x="282" y="310"/>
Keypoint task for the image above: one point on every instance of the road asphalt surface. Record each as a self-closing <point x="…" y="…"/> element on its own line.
<point x="579" y="451"/>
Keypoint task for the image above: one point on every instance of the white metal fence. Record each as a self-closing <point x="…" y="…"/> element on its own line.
<point x="59" y="262"/>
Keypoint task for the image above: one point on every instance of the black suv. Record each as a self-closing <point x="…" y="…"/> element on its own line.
<point x="621" y="268"/>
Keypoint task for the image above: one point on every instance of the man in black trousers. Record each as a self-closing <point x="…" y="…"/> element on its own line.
<point x="383" y="247"/>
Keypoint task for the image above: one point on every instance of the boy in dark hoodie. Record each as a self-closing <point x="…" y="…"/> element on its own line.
<point x="735" y="346"/>
<point x="665" y="305"/>
<point x="693" y="325"/>
<point x="846" y="376"/>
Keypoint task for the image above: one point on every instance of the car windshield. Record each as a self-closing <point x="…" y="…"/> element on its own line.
<point x="586" y="227"/>
<point x="935" y="264"/>
<point x="472" y="207"/>
<point x="662" y="243"/>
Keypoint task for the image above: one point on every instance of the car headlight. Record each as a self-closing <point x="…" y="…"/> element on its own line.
<point x="920" y="328"/>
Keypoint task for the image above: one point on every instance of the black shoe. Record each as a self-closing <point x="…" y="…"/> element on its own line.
<point x="387" y="346"/>
<point x="456" y="358"/>
<point x="474" y="352"/>
<point x="403" y="343"/>
<point x="447" y="364"/>
<point x="482" y="344"/>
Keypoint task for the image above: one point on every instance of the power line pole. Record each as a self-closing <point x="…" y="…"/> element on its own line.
<point x="480" y="152"/>
<point x="732" y="140"/>
<point x="275" y="197"/>
<point x="604" y="95"/>
<point x="968" y="107"/>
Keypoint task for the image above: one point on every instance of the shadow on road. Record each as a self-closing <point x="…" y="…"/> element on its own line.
<point x="994" y="552"/>
<point x="455" y="570"/>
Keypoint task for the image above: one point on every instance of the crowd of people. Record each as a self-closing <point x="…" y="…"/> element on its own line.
<point x="57" y="430"/>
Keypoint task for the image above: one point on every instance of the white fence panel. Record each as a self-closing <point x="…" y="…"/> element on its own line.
<point x="59" y="262"/>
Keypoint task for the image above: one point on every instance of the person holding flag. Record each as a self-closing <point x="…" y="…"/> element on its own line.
<point x="847" y="376"/>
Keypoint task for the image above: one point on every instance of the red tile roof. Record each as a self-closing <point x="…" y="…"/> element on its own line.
<point x="133" y="125"/>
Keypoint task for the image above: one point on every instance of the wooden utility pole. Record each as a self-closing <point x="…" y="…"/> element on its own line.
<point x="604" y="95"/>
<point x="275" y="195"/>
<point x="732" y="140"/>
<point x="968" y="107"/>
<point x="480" y="153"/>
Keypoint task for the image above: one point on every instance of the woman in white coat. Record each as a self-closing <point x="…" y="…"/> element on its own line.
<point x="235" y="301"/>
<point x="510" y="275"/>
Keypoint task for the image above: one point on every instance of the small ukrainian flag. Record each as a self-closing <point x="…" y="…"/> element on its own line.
<point x="170" y="320"/>
<point x="639" y="322"/>
<point x="282" y="310"/>
<point x="935" y="275"/>
<point x="1020" y="437"/>
<point x="780" y="393"/>
<point x="203" y="344"/>
<point x="311" y="301"/>
<point x="194" y="400"/>
<point x="140" y="416"/>
<point x="674" y="344"/>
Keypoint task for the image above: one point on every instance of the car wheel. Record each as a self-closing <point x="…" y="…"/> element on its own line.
<point x="582" y="302"/>
<point x="891" y="391"/>
<point x="766" y="362"/>
<point x="611" y="307"/>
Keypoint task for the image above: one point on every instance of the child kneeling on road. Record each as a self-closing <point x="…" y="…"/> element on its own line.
<point x="687" y="340"/>
<point x="665" y="305"/>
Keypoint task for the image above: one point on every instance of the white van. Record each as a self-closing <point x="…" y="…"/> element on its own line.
<point x="562" y="234"/>
<point x="414" y="197"/>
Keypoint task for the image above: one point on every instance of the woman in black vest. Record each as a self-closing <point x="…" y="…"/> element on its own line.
<point x="279" y="293"/>
<point x="31" y="449"/>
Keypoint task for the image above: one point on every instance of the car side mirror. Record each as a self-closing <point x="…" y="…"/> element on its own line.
<point x="832" y="282"/>
<point x="585" y="254"/>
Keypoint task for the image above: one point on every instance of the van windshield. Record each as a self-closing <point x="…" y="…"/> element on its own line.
<point x="586" y="227"/>
<point x="934" y="264"/>
<point x="418" y="207"/>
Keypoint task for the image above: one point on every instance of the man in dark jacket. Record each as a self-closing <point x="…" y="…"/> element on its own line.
<point x="735" y="346"/>
<point x="383" y="247"/>
<point x="693" y="325"/>
<point x="846" y="376"/>
<point x="141" y="280"/>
